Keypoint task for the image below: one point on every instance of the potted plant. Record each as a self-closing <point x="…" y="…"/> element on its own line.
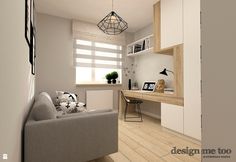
<point x="114" y="76"/>
<point x="109" y="77"/>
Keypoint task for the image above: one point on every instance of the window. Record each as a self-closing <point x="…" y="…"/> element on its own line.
<point x="94" y="60"/>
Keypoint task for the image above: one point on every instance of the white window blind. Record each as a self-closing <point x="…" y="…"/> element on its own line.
<point x="93" y="60"/>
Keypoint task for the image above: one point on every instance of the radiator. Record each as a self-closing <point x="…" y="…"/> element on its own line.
<point x="99" y="99"/>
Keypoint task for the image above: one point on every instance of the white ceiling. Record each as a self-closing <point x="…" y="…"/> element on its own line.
<point x="138" y="13"/>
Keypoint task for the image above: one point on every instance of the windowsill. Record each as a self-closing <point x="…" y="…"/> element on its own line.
<point x="98" y="84"/>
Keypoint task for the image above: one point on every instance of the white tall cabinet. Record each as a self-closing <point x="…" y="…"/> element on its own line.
<point x="180" y="23"/>
<point x="192" y="68"/>
<point x="171" y="23"/>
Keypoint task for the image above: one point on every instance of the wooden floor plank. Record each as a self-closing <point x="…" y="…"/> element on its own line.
<point x="171" y="158"/>
<point x="148" y="155"/>
<point x="142" y="141"/>
<point x="130" y="153"/>
<point x="119" y="157"/>
<point x="149" y="141"/>
<point x="129" y="141"/>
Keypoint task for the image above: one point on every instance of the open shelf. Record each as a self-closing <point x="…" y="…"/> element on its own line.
<point x="141" y="46"/>
<point x="146" y="51"/>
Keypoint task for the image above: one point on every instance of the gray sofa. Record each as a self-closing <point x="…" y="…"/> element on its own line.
<point x="71" y="138"/>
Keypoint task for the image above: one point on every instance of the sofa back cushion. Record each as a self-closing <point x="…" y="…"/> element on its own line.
<point x="43" y="108"/>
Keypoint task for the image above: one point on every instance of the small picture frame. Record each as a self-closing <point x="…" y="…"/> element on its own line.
<point x="27" y="21"/>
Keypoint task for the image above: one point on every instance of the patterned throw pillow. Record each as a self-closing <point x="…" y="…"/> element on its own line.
<point x="67" y="107"/>
<point x="70" y="107"/>
<point x="66" y="97"/>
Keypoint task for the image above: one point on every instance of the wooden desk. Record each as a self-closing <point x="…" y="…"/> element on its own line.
<point x="150" y="96"/>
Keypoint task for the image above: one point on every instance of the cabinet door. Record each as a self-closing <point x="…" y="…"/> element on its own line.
<point x="192" y="69"/>
<point x="172" y="117"/>
<point x="171" y="23"/>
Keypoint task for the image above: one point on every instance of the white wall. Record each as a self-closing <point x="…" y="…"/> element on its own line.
<point x="147" y="67"/>
<point x="218" y="77"/>
<point x="55" y="59"/>
<point x="16" y="83"/>
<point x="55" y="70"/>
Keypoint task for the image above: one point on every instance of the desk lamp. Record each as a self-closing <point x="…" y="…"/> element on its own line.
<point x="164" y="72"/>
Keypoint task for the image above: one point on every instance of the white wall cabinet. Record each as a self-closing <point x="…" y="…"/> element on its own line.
<point x="171" y="23"/>
<point x="172" y="117"/>
<point x="141" y="46"/>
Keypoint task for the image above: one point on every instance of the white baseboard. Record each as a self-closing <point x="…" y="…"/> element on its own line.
<point x="151" y="114"/>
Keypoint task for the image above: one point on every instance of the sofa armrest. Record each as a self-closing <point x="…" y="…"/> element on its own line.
<point x="78" y="138"/>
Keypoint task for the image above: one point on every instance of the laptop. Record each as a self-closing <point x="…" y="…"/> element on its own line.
<point x="149" y="86"/>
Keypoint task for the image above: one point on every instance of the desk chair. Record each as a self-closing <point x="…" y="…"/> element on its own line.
<point x="135" y="102"/>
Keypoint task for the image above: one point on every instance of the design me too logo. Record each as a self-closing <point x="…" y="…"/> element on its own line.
<point x="4" y="156"/>
<point x="206" y="153"/>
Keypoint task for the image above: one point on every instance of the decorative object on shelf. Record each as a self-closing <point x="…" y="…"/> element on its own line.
<point x="144" y="47"/>
<point x="114" y="76"/>
<point x="112" y="24"/>
<point x="147" y="43"/>
<point x="109" y="77"/>
<point x="164" y="72"/>
<point x="160" y="86"/>
<point x="129" y="84"/>
<point x="137" y="48"/>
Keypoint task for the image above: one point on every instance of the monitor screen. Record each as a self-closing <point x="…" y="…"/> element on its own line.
<point x="149" y="86"/>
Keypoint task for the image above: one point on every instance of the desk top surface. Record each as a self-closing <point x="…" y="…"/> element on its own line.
<point x="155" y="96"/>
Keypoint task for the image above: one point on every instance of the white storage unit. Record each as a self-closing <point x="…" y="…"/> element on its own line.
<point x="171" y="23"/>
<point x="180" y="23"/>
<point x="172" y="117"/>
<point x="192" y="69"/>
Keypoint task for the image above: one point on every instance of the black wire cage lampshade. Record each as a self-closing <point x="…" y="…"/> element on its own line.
<point x="112" y="24"/>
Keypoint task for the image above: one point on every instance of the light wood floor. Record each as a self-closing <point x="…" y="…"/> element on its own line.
<point x="148" y="141"/>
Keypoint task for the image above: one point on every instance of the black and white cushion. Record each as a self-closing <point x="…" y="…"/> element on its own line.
<point x="66" y="97"/>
